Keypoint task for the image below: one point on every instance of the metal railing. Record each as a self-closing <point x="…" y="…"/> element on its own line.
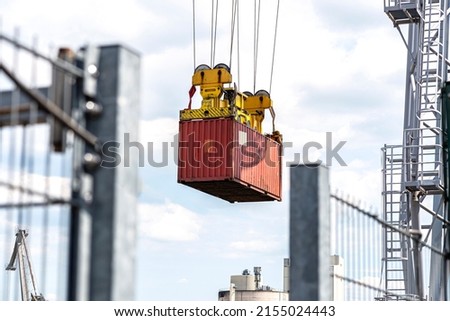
<point x="358" y="239"/>
<point x="396" y="3"/>
<point x="425" y="164"/>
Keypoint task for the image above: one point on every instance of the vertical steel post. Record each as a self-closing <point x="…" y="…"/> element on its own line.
<point x="309" y="233"/>
<point x="103" y="226"/>
<point x="80" y="223"/>
<point x="437" y="265"/>
<point x="446" y="241"/>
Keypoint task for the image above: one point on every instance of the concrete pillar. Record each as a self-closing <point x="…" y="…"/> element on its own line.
<point x="309" y="233"/>
<point x="103" y="225"/>
<point x="114" y="206"/>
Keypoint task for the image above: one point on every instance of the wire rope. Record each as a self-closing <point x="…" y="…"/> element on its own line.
<point x="274" y="45"/>
<point x="193" y="33"/>
<point x="238" y="45"/>
<point x="214" y="6"/>
<point x="257" y="12"/>
<point x="233" y="23"/>
<point x="215" y="34"/>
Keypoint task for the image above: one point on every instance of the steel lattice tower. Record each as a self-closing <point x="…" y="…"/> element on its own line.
<point x="415" y="174"/>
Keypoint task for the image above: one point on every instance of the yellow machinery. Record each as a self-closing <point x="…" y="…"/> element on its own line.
<point x="218" y="100"/>
<point x="256" y="105"/>
<point x="222" y="100"/>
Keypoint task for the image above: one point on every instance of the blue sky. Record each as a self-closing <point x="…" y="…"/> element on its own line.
<point x="339" y="68"/>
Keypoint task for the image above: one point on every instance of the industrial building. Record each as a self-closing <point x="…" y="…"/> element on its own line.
<point x="249" y="287"/>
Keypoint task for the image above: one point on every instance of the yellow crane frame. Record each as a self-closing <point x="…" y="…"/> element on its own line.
<point x="219" y="99"/>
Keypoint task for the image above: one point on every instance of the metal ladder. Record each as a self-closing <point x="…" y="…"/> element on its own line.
<point x="424" y="143"/>
<point x="394" y="212"/>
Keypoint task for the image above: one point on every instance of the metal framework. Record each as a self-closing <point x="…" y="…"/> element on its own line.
<point x="22" y="256"/>
<point x="53" y="179"/>
<point x="415" y="173"/>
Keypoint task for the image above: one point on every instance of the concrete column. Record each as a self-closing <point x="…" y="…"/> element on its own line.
<point x="309" y="233"/>
<point x="115" y="190"/>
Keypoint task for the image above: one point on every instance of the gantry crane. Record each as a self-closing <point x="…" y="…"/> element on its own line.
<point x="415" y="173"/>
<point x="21" y="255"/>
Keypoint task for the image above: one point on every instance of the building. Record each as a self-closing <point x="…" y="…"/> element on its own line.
<point x="337" y="284"/>
<point x="249" y="287"/>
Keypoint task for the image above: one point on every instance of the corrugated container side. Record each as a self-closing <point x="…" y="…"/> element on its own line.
<point x="258" y="160"/>
<point x="202" y="154"/>
<point x="227" y="159"/>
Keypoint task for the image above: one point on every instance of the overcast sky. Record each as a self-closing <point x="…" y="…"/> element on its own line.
<point x="339" y="68"/>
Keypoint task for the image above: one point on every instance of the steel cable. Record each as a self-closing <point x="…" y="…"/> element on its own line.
<point x="214" y="12"/>
<point x="274" y="46"/>
<point x="238" y="46"/>
<point x="257" y="12"/>
<point x="233" y="22"/>
<point x="193" y="33"/>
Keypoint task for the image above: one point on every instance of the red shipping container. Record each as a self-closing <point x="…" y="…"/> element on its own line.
<point x="227" y="159"/>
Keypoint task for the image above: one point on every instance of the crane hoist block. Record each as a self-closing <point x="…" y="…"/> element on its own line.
<point x="219" y="99"/>
<point x="227" y="159"/>
<point x="216" y="76"/>
<point x="255" y="106"/>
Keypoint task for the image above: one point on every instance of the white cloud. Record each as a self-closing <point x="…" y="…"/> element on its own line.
<point x="183" y="281"/>
<point x="362" y="183"/>
<point x="254" y="246"/>
<point x="52" y="186"/>
<point x="169" y="222"/>
<point x="158" y="130"/>
<point x="108" y="19"/>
